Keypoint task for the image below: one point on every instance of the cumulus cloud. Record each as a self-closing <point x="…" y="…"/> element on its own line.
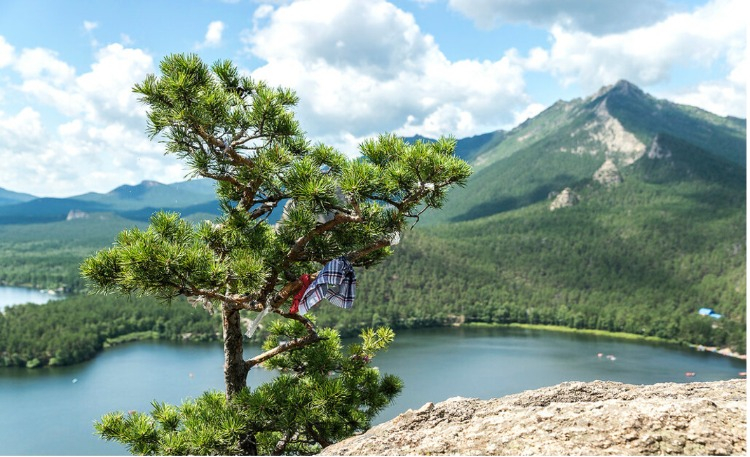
<point x="43" y="64"/>
<point x="213" y="35"/>
<point x="727" y="97"/>
<point x="6" y="52"/>
<point x="528" y="112"/>
<point x="101" y="143"/>
<point x="366" y="68"/>
<point x="596" y="17"/>
<point x="103" y="94"/>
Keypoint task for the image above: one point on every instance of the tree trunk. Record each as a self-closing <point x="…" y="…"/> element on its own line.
<point x="235" y="371"/>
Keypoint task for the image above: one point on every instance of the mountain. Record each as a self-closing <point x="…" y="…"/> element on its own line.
<point x="8" y="197"/>
<point x="136" y="202"/>
<point x="654" y="228"/>
<point x="567" y="143"/>
<point x="471" y="147"/>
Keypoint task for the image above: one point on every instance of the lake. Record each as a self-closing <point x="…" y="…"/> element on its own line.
<point x="15" y="295"/>
<point x="51" y="411"/>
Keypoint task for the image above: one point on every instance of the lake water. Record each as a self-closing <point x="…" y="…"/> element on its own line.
<point x="51" y="411"/>
<point x="15" y="295"/>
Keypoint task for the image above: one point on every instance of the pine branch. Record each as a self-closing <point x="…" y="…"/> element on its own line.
<point x="356" y="255"/>
<point x="296" y="343"/>
<point x="238" y="300"/>
<point x="281" y="445"/>
<point x="299" y="245"/>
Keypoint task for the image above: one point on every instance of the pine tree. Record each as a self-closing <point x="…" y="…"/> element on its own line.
<point x="243" y="134"/>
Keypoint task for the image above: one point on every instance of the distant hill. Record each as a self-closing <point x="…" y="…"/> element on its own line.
<point x="132" y="202"/>
<point x="471" y="147"/>
<point x="8" y="197"/>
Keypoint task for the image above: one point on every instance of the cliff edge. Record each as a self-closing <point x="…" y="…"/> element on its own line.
<point x="573" y="418"/>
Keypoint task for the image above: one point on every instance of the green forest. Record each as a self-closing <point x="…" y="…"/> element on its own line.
<point x="48" y="256"/>
<point x="599" y="265"/>
<point x="68" y="331"/>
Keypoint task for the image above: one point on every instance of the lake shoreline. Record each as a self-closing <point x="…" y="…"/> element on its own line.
<point x="726" y="352"/>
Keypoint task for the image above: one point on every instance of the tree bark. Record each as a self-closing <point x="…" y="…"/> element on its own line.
<point x="235" y="369"/>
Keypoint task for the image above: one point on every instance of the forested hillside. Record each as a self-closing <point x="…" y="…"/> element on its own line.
<point x="622" y="260"/>
<point x="47" y="256"/>
<point x="73" y="330"/>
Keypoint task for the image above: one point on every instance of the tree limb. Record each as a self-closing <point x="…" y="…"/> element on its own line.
<point x="283" y="347"/>
<point x="299" y="245"/>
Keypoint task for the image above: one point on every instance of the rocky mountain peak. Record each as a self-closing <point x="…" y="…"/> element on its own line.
<point x="622" y="88"/>
<point x="605" y="133"/>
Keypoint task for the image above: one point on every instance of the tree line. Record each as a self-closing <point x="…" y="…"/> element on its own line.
<point x="75" y="329"/>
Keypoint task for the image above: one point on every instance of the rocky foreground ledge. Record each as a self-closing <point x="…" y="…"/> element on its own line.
<point x="573" y="418"/>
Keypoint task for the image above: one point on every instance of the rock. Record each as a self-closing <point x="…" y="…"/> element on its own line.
<point x="657" y="151"/>
<point x="76" y="214"/>
<point x="573" y="418"/>
<point x="564" y="199"/>
<point x="608" y="174"/>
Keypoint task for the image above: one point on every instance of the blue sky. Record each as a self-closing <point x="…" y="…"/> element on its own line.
<point x="70" y="124"/>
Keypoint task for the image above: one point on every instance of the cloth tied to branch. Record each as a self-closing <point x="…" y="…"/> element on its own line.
<point x="335" y="283"/>
<point x="305" y="280"/>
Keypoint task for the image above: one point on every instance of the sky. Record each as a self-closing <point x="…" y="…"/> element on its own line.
<point x="70" y="124"/>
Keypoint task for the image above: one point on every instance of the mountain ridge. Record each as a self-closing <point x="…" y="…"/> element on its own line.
<point x="135" y="202"/>
<point x="568" y="142"/>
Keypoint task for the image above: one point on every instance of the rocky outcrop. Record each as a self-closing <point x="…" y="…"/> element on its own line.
<point x="76" y="214"/>
<point x="657" y="151"/>
<point x="564" y="199"/>
<point x="573" y="418"/>
<point x="608" y="175"/>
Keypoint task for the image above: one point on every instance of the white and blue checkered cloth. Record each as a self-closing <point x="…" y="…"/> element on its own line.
<point x="335" y="283"/>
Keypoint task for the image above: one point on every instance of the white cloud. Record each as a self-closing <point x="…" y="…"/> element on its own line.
<point x="213" y="35"/>
<point x="21" y="129"/>
<point x="103" y="94"/>
<point x="102" y="143"/>
<point x="527" y="113"/>
<point x="598" y="17"/>
<point x="88" y="28"/>
<point x="6" y="53"/>
<point x="43" y="64"/>
<point x="126" y="40"/>
<point x="366" y="67"/>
